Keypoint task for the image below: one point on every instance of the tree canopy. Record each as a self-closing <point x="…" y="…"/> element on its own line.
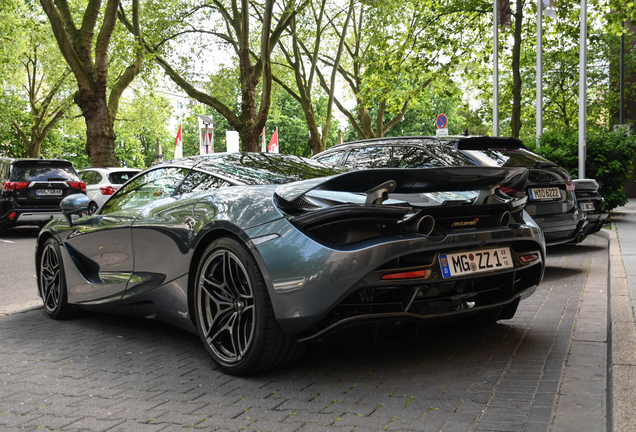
<point x="382" y="67"/>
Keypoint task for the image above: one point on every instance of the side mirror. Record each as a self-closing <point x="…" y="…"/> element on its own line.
<point x="74" y="204"/>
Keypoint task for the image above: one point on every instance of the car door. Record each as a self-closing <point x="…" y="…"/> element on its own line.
<point x="164" y="231"/>
<point x="101" y="245"/>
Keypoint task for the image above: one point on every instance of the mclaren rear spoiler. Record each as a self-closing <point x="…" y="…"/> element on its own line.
<point x="407" y="180"/>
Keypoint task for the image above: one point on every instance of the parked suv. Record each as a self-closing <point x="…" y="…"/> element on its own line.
<point x="101" y="183"/>
<point x="31" y="190"/>
<point x="550" y="190"/>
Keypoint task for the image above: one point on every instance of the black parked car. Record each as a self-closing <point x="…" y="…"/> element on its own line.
<point x="550" y="190"/>
<point x="31" y="190"/>
<point x="591" y="203"/>
<point x="260" y="252"/>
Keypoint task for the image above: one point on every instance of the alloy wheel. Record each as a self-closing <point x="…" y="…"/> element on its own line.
<point x="50" y="278"/>
<point x="226" y="306"/>
<point x="92" y="208"/>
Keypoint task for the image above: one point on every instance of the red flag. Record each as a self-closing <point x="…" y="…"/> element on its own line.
<point x="178" y="150"/>
<point x="273" y="144"/>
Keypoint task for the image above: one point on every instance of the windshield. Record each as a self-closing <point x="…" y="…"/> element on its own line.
<point x="263" y="168"/>
<point x="121" y="177"/>
<point x="43" y="171"/>
<point x="506" y="158"/>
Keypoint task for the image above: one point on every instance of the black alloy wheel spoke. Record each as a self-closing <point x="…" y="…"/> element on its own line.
<point x="226" y="326"/>
<point x="50" y="278"/>
<point x="231" y="267"/>
<point x="226" y="306"/>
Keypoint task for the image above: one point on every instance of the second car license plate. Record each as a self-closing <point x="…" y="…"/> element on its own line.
<point x="587" y="206"/>
<point x="475" y="262"/>
<point x="544" y="193"/>
<point x="48" y="192"/>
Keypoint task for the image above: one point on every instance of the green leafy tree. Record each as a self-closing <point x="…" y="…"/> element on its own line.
<point x="12" y="108"/>
<point x="88" y="58"/>
<point x="301" y="49"/>
<point x="560" y="72"/>
<point x="47" y="84"/>
<point x="141" y="121"/>
<point x="287" y="114"/>
<point x="441" y="98"/>
<point x="395" y="50"/>
<point x="610" y="159"/>
<point x="236" y="29"/>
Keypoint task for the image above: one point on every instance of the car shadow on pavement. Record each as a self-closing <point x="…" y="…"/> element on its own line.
<point x="99" y="339"/>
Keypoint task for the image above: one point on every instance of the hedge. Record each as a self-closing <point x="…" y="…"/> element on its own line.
<point x="610" y="159"/>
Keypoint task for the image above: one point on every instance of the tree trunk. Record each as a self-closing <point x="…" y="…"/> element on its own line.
<point x="515" y="121"/>
<point x="34" y="150"/>
<point x="100" y="135"/>
<point x="314" y="142"/>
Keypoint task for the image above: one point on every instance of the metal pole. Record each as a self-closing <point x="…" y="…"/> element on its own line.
<point x="582" y="89"/>
<point x="539" y="71"/>
<point x="621" y="110"/>
<point x="495" y="70"/>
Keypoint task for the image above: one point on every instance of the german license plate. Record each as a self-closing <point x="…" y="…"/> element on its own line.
<point x="48" y="192"/>
<point x="587" y="206"/>
<point x="485" y="260"/>
<point x="540" y="194"/>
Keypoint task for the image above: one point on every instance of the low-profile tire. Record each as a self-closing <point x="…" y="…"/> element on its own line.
<point x="234" y="314"/>
<point x="53" y="282"/>
<point x="92" y="208"/>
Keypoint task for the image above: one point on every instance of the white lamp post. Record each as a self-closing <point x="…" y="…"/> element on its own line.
<point x="547" y="8"/>
<point x="583" y="89"/>
<point x="495" y="70"/>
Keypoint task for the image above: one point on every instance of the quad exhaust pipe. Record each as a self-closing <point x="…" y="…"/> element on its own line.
<point x="420" y="224"/>
<point x="504" y="218"/>
<point x="426" y="225"/>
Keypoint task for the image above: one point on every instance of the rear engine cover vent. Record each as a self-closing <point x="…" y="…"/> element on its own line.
<point x="354" y="230"/>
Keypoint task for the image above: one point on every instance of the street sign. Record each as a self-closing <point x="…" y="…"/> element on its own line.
<point x="441" y="132"/>
<point x="441" y="122"/>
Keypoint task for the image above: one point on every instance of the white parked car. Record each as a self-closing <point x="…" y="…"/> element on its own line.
<point x="101" y="183"/>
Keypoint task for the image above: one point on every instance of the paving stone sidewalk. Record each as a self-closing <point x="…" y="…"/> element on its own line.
<point x="544" y="370"/>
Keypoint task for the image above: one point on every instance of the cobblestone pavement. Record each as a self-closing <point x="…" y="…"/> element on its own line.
<point x="543" y="370"/>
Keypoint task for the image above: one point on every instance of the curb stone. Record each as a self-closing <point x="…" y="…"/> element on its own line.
<point x="21" y="308"/>
<point x="621" y="338"/>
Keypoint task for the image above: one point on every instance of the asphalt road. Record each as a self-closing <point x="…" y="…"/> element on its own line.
<point x="17" y="268"/>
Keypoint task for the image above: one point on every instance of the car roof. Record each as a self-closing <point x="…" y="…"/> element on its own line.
<point x="43" y="161"/>
<point x="461" y="142"/>
<point x="250" y="167"/>
<point x="110" y="169"/>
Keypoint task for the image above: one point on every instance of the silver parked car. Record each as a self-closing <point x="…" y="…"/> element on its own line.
<point x="101" y="183"/>
<point x="261" y="253"/>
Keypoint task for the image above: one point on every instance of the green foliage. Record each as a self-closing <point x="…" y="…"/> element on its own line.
<point x="286" y="114"/>
<point x="409" y="43"/>
<point x="142" y="118"/>
<point x="443" y="98"/>
<point x="610" y="159"/>
<point x="560" y="70"/>
<point x="12" y="107"/>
